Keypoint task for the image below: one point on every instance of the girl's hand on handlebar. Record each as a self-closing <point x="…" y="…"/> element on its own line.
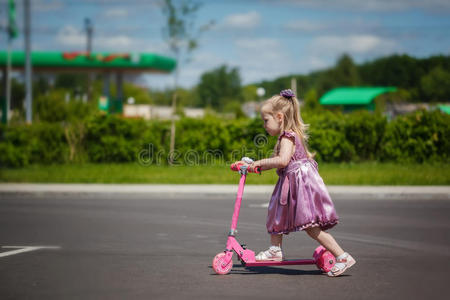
<point x="256" y="164"/>
<point x="240" y="162"/>
<point x="250" y="167"/>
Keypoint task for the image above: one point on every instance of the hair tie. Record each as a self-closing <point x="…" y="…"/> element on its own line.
<point x="288" y="94"/>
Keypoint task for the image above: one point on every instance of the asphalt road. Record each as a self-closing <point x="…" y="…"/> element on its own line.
<point x="160" y="246"/>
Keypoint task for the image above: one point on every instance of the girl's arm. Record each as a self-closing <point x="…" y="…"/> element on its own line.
<point x="278" y="161"/>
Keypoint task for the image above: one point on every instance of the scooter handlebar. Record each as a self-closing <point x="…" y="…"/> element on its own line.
<point x="237" y="167"/>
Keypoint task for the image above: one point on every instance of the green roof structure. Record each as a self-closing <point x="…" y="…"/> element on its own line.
<point x="353" y="95"/>
<point x="95" y="61"/>
<point x="444" y="108"/>
<point x="352" y="98"/>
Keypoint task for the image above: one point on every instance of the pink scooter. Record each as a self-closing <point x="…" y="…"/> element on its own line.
<point x="223" y="261"/>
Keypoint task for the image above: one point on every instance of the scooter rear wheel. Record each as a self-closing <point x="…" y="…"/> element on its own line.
<point x="324" y="259"/>
<point x="219" y="264"/>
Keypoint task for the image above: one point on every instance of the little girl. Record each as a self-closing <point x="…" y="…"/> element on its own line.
<point x="300" y="200"/>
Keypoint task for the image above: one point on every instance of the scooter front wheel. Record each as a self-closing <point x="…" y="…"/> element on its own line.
<point x="220" y="265"/>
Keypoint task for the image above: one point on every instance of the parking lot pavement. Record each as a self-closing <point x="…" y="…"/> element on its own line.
<point x="160" y="246"/>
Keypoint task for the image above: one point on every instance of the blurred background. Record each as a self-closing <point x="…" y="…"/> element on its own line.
<point x="123" y="91"/>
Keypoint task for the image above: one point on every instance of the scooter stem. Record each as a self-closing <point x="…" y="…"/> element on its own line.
<point x="237" y="205"/>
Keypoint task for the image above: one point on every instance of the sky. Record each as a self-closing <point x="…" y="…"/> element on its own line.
<point x="264" y="39"/>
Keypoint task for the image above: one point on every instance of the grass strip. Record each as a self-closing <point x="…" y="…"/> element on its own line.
<point x="365" y="173"/>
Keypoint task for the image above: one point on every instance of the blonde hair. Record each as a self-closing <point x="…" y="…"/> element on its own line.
<point x="292" y="120"/>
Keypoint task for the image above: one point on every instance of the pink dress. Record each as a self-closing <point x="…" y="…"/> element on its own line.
<point x="300" y="199"/>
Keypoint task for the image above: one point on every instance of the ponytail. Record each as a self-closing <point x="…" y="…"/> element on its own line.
<point x="287" y="103"/>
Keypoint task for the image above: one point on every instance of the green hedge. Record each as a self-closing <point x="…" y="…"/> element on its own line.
<point x="40" y="143"/>
<point x="418" y="137"/>
<point x="421" y="136"/>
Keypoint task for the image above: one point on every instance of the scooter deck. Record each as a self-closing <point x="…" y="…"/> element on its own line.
<point x="280" y="263"/>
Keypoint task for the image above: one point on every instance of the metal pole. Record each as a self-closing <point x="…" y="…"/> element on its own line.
<point x="294" y="85"/>
<point x="8" y="83"/>
<point x="119" y="93"/>
<point x="174" y="110"/>
<point x="28" y="75"/>
<point x="89" y="30"/>
<point x="119" y="86"/>
<point x="106" y="83"/>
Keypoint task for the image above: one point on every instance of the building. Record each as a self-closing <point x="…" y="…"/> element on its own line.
<point x="150" y="112"/>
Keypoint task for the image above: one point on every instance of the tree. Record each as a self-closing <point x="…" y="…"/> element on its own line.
<point x="182" y="36"/>
<point x="249" y="93"/>
<point x="346" y="72"/>
<point x="435" y="85"/>
<point x="72" y="82"/>
<point x="140" y="94"/>
<point x="311" y="101"/>
<point x="219" y="86"/>
<point x="395" y="70"/>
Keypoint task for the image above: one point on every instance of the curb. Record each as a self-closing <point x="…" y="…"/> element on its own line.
<point x="337" y="192"/>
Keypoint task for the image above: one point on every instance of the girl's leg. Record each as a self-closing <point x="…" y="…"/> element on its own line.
<point x="343" y="259"/>
<point x="276" y="240"/>
<point x="326" y="240"/>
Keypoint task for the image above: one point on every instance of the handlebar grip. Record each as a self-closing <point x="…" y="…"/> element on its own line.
<point x="256" y="170"/>
<point x="237" y="167"/>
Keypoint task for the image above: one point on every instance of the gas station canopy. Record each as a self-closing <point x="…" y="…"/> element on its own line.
<point x="94" y="61"/>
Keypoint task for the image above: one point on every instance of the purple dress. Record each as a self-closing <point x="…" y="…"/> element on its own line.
<point x="300" y="199"/>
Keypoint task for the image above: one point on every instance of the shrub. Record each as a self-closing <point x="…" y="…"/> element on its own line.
<point x="52" y="107"/>
<point x="364" y="131"/>
<point x="111" y="138"/>
<point x="330" y="145"/>
<point x="418" y="137"/>
<point x="38" y="143"/>
<point x="327" y="137"/>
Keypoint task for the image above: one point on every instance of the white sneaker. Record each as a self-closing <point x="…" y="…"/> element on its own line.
<point x="342" y="264"/>
<point x="274" y="253"/>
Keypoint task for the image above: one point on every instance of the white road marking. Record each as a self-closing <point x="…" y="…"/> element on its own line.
<point x="23" y="249"/>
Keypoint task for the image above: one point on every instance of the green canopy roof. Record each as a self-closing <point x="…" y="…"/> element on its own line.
<point x="445" y="108"/>
<point x="353" y="95"/>
<point x="96" y="61"/>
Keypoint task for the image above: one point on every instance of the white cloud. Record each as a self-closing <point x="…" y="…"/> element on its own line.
<point x="264" y="58"/>
<point x="323" y="51"/>
<point x="352" y="44"/>
<point x="243" y="21"/>
<point x="315" y="63"/>
<point x="46" y="6"/>
<point x="116" y="42"/>
<point x="335" y="26"/>
<point x="201" y="62"/>
<point x="304" y="25"/>
<point x="375" y="5"/>
<point x="116" y="12"/>
<point x="189" y="73"/>
<point x="259" y="48"/>
<point x="71" y="37"/>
